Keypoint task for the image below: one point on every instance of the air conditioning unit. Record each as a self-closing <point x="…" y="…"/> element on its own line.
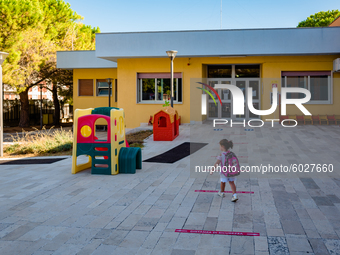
<point x="336" y="65"/>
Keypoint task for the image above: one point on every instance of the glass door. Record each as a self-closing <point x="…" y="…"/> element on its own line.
<point x="255" y="85"/>
<point x="216" y="110"/>
<point x="242" y="84"/>
<point x="225" y="96"/>
<point x="213" y="108"/>
<point x="225" y="111"/>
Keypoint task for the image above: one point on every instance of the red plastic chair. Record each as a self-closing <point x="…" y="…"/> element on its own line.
<point x="331" y="118"/>
<point x="283" y="117"/>
<point x="337" y="118"/>
<point x="316" y="118"/>
<point x="299" y="118"/>
<point x="150" y="121"/>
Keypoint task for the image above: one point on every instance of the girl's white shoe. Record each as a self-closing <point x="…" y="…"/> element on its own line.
<point x="234" y="198"/>
<point x="221" y="194"/>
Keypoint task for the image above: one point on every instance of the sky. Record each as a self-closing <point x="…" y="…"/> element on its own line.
<point x="165" y="15"/>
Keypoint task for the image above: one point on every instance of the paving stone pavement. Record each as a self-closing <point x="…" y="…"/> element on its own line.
<point x="44" y="209"/>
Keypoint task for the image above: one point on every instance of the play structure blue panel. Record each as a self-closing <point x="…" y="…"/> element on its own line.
<point x="84" y="149"/>
<point x="103" y="110"/>
<point x="99" y="165"/>
<point x="129" y="160"/>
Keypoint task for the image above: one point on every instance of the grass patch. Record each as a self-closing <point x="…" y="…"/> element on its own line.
<point x="137" y="139"/>
<point x="40" y="142"/>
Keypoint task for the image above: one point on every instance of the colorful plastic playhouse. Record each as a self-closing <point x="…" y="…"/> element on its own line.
<point x="165" y="124"/>
<point x="109" y="156"/>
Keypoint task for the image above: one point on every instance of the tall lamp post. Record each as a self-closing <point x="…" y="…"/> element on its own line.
<point x="109" y="81"/>
<point x="3" y="56"/>
<point x="172" y="55"/>
<point x="41" y="105"/>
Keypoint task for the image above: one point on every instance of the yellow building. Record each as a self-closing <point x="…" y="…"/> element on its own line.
<point x="251" y="58"/>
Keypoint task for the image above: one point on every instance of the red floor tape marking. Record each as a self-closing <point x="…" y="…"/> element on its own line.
<point x="237" y="156"/>
<point x="233" y="134"/>
<point x="217" y="232"/>
<point x="215" y="191"/>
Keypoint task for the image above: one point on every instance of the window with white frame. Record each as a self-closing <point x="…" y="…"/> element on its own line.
<point x="155" y="87"/>
<point x="103" y="87"/>
<point x="318" y="83"/>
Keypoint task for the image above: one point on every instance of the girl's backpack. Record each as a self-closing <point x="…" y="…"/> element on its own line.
<point x="230" y="159"/>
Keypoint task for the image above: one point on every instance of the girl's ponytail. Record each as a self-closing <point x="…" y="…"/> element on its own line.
<point x="230" y="144"/>
<point x="226" y="144"/>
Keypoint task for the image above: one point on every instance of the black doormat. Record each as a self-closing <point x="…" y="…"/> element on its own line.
<point x="36" y="161"/>
<point x="181" y="151"/>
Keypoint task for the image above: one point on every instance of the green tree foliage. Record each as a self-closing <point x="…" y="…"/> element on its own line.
<point x="31" y="31"/>
<point x="77" y="37"/>
<point x="320" y="19"/>
<point x="17" y="16"/>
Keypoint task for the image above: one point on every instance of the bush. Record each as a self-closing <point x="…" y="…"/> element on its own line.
<point x="41" y="142"/>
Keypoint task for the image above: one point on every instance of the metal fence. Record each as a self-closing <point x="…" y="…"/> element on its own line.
<point x="12" y="108"/>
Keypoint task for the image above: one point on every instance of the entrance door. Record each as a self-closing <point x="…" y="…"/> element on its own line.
<point x="242" y="84"/>
<point x="213" y="104"/>
<point x="225" y="111"/>
<point x="215" y="109"/>
<point x="255" y="85"/>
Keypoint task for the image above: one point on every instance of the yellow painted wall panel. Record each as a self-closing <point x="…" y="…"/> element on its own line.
<point x="82" y="102"/>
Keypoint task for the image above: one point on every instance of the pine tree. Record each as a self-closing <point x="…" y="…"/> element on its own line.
<point x="31" y="31"/>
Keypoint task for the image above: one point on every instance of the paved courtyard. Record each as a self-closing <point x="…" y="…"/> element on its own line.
<point x="44" y="209"/>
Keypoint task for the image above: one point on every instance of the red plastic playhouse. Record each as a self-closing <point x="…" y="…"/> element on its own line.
<point x="165" y="124"/>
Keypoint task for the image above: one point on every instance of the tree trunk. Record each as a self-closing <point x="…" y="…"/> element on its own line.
<point x="62" y="110"/>
<point x="56" y="117"/>
<point x="24" y="111"/>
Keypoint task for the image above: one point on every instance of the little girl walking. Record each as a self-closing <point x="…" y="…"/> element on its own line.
<point x="230" y="168"/>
